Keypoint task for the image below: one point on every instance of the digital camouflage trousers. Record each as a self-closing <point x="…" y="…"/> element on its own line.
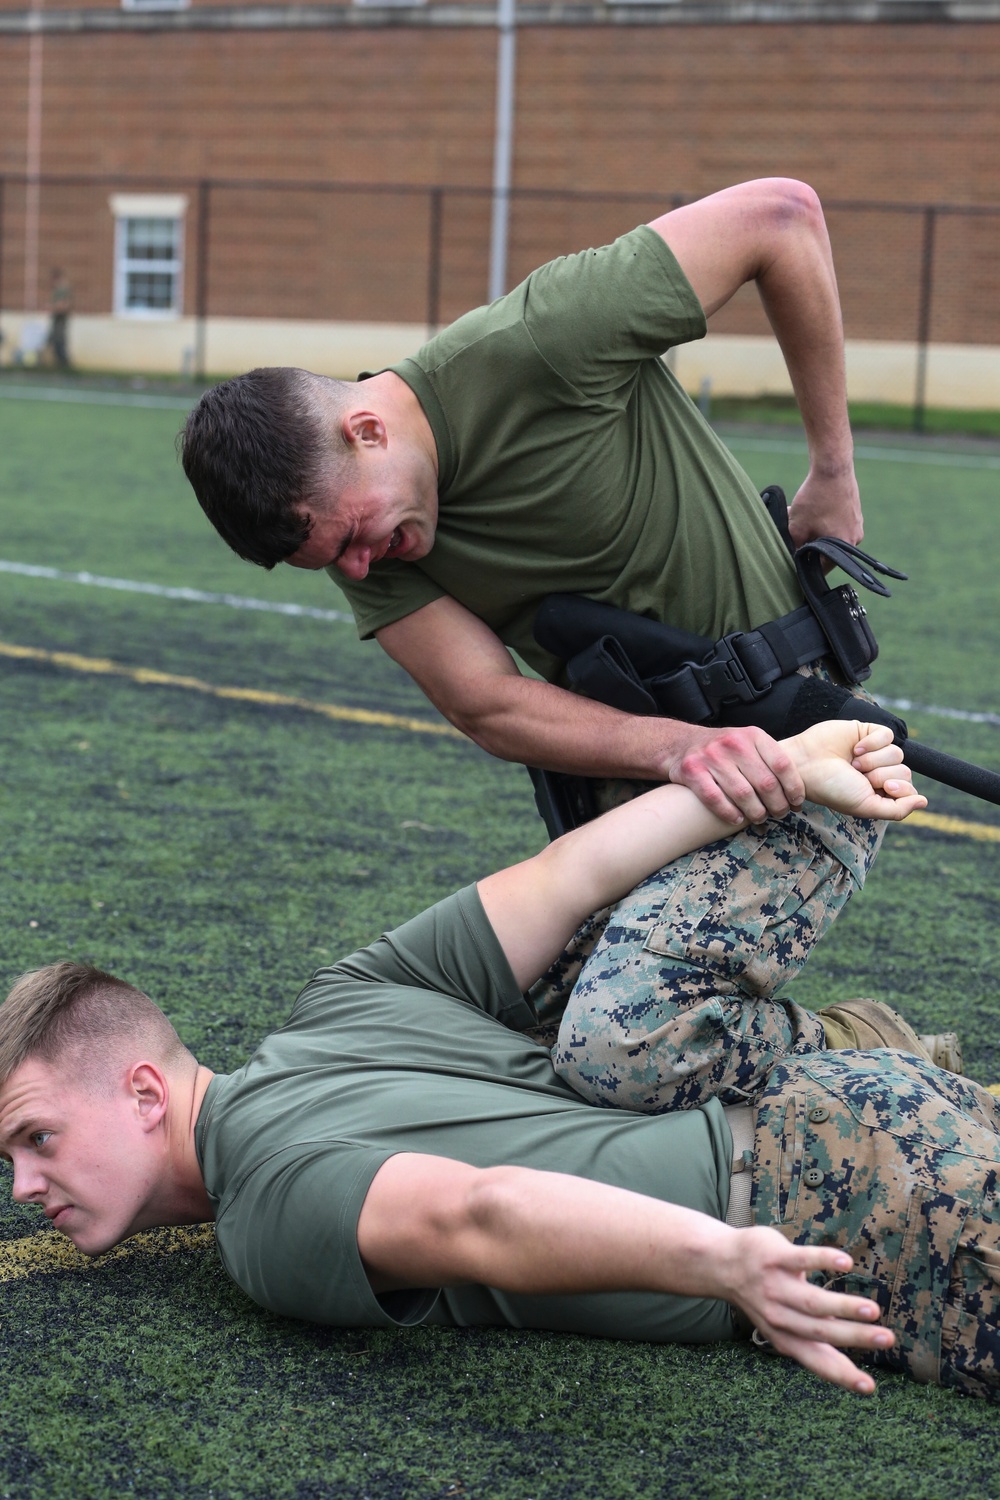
<point x="896" y="1162"/>
<point x="677" y="993"/>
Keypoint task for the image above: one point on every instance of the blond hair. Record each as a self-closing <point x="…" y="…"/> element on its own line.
<point x="69" y="1011"/>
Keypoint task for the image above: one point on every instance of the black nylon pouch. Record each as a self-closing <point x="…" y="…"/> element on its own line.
<point x="839" y="611"/>
<point x="604" y="672"/>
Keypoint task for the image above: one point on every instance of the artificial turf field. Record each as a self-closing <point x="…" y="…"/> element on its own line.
<point x="215" y="849"/>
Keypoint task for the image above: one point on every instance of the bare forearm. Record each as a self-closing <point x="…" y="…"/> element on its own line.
<point x="605" y="859"/>
<point x="536" y="1232"/>
<point x="429" y="1221"/>
<point x="539" y="724"/>
<point x="469" y="674"/>
<point x="558" y="1235"/>
<point x="543" y="1232"/>
<point x="535" y="907"/>
<point x="798" y="288"/>
<point x="555" y="1234"/>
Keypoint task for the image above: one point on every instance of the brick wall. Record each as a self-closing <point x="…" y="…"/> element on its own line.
<point x="899" y="112"/>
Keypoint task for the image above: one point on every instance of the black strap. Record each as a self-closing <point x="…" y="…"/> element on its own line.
<point x="739" y="669"/>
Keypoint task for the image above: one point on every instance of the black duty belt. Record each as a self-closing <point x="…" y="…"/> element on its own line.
<point x="749" y="677"/>
<point x="643" y="667"/>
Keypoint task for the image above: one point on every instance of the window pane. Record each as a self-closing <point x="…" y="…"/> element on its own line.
<point x="151" y="239"/>
<point x="149" y="291"/>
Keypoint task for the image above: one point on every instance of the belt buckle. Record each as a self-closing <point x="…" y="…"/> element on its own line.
<point x="725" y="677"/>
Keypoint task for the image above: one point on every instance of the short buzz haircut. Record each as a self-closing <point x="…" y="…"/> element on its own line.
<point x="74" y="1011"/>
<point x="255" y="450"/>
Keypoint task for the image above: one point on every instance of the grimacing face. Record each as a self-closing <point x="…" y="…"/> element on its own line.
<point x="389" y="509"/>
<point x="81" y="1155"/>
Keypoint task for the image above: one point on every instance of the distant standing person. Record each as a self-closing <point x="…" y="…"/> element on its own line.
<point x="60" y="307"/>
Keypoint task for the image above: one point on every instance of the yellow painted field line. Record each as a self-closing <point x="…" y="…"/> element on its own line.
<point x="985" y="832"/>
<point x="988" y="833"/>
<point x="50" y="1251"/>
<point x="147" y="677"/>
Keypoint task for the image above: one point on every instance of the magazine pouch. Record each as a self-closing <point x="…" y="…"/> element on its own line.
<point x="842" y="616"/>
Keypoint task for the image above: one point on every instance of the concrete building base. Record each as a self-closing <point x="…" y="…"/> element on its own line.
<point x="963" y="376"/>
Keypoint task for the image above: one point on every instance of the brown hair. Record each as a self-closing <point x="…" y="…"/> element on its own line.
<point x="258" y="452"/>
<point x="69" y="1010"/>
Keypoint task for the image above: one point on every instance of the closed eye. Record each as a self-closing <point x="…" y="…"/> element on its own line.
<point x="349" y="538"/>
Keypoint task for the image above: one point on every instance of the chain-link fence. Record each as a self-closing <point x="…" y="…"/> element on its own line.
<point x="909" y="273"/>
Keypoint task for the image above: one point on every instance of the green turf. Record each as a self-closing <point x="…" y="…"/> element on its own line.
<point x="881" y="415"/>
<point x="214" y="852"/>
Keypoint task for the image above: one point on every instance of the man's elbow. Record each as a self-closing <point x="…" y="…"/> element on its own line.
<point x="482" y="723"/>
<point x="789" y="204"/>
<point x="495" y="1224"/>
<point x="491" y="1199"/>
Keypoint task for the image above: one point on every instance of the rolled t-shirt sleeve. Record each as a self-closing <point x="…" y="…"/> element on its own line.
<point x="450" y="949"/>
<point x="297" y="1215"/>
<point x="388" y="593"/>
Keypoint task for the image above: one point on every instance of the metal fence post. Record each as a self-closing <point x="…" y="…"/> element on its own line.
<point x="201" y="283"/>
<point x="434" y="261"/>
<point x="924" y="317"/>
<point x="503" y="147"/>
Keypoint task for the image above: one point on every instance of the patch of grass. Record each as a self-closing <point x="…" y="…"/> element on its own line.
<point x="781" y="411"/>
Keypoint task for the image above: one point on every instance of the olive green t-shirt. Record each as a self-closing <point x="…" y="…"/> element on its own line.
<point x="412" y="1045"/>
<point x="570" y="460"/>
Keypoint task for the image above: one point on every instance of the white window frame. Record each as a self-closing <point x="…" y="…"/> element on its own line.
<point x="128" y="206"/>
<point x="155" y="4"/>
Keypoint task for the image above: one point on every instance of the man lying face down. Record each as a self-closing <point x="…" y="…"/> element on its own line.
<point x="402" y="1151"/>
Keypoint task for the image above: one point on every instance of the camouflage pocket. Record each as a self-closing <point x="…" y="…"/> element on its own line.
<point x="892" y="1094"/>
<point x="923" y="1271"/>
<point x="750" y="909"/>
<point x="779" y="1138"/>
<point x="789" y="1164"/>
<point x="970" y="1333"/>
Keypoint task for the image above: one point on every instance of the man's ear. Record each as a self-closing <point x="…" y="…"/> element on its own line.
<point x="363" y="429"/>
<point x="149" y="1092"/>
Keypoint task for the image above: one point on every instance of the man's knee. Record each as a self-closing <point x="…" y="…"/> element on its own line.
<point x="791" y="203"/>
<point x="647" y="1049"/>
<point x="676" y="1043"/>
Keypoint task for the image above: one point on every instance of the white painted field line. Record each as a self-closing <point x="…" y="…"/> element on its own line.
<point x="940" y="457"/>
<point x="967" y="716"/>
<point x="188" y="596"/>
<point x="84" y="397"/>
<point x="343" y="617"/>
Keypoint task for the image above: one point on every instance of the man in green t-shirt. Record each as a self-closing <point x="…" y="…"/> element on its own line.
<point x="538" y="445"/>
<point x="541" y="445"/>
<point x="400" y="1151"/>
